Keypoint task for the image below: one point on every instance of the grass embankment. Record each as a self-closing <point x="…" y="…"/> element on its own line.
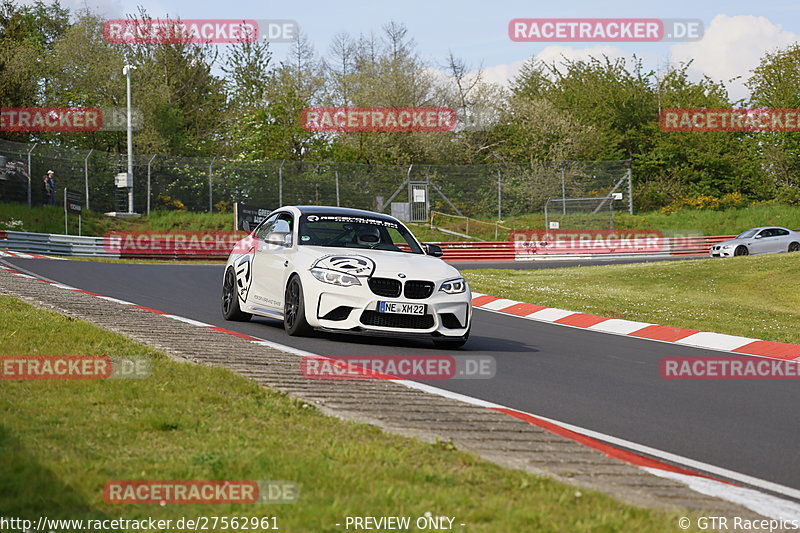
<point x="42" y="219"/>
<point x="703" y="222"/>
<point x="683" y="222"/>
<point x="754" y="296"/>
<point x="62" y="440"/>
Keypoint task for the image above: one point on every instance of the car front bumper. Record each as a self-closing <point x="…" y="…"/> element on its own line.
<point x="355" y="309"/>
<point x="721" y="252"/>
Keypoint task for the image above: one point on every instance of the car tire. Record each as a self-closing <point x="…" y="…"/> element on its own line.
<point x="794" y="247"/>
<point x="294" y="309"/>
<point x="451" y="344"/>
<point x="741" y="250"/>
<point x="230" y="299"/>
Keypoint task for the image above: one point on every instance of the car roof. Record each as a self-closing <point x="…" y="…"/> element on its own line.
<point x="344" y="211"/>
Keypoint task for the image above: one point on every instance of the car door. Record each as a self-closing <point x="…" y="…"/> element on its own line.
<point x="275" y="242"/>
<point x="762" y="242"/>
<point x="781" y="240"/>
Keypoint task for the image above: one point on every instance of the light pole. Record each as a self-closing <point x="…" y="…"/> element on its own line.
<point x="126" y="71"/>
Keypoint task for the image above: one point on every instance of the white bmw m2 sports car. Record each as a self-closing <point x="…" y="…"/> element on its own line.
<point x="348" y="271"/>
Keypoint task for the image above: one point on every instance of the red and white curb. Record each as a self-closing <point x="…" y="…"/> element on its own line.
<point x="700" y="477"/>
<point x="25" y="255"/>
<point x="641" y="330"/>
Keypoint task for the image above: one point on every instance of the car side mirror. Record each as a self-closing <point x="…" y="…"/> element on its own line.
<point x="434" y="250"/>
<point x="279" y="239"/>
<point x="758" y="236"/>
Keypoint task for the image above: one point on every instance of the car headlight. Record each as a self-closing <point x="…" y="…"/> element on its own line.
<point x="454" y="286"/>
<point x="334" y="278"/>
<point x="727" y="246"/>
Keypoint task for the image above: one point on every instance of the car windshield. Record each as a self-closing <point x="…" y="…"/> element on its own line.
<point x="747" y="234"/>
<point x="344" y="231"/>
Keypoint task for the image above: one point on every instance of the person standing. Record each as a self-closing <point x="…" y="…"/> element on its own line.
<point x="49" y="188"/>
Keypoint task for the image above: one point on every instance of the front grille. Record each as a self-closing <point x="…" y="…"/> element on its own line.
<point x="417" y="290"/>
<point x="450" y="321"/>
<point x="390" y="288"/>
<point x="392" y="320"/>
<point x="340" y="313"/>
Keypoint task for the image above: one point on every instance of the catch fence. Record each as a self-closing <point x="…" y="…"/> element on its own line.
<point x="410" y="192"/>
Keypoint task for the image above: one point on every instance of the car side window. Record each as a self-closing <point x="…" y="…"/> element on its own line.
<point x="780" y="232"/>
<point x="281" y="223"/>
<point x="264" y="228"/>
<point x="765" y="233"/>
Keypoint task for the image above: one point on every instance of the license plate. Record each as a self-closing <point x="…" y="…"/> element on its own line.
<point x="401" y="308"/>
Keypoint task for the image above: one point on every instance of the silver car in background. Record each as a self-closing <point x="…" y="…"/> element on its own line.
<point x="764" y="240"/>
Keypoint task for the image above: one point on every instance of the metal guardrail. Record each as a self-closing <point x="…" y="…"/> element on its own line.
<point x="695" y="245"/>
<point x="53" y="243"/>
<point x="75" y="246"/>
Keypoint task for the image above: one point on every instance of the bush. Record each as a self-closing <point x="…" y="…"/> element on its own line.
<point x="166" y="203"/>
<point x="789" y="195"/>
<point x="732" y="200"/>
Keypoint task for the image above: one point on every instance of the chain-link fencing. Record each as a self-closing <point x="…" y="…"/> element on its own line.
<point x="213" y="184"/>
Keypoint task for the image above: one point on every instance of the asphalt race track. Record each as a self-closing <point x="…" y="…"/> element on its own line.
<point x="606" y="383"/>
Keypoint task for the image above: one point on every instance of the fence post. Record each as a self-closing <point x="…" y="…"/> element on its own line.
<point x="280" y="184"/>
<point x="337" y="187"/>
<point x="210" y="188"/>
<point x="563" y="191"/>
<point x="29" y="173"/>
<point x="149" y="194"/>
<point x="86" y="176"/>
<point x="630" y="188"/>
<point x="499" y="197"/>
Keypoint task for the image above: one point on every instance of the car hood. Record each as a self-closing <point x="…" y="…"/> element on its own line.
<point x="379" y="263"/>
<point x="732" y="242"/>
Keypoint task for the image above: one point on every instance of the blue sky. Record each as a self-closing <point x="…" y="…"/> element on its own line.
<point x="737" y="32"/>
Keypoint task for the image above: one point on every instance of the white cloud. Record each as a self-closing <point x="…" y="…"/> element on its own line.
<point x="504" y="74"/>
<point x="731" y="47"/>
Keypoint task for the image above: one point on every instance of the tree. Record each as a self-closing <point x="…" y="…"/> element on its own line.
<point x="775" y="83"/>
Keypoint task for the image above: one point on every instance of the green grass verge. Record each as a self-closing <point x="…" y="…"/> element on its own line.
<point x="699" y="221"/>
<point x="705" y="222"/>
<point x="50" y="219"/>
<point x="60" y="441"/>
<point x="754" y="296"/>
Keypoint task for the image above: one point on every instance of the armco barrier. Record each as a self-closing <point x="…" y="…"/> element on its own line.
<point x="53" y="243"/>
<point x="73" y="245"/>
<point x="478" y="251"/>
<point x="695" y="245"/>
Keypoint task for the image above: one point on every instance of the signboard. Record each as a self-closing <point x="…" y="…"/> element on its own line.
<point x="123" y="179"/>
<point x="616" y="196"/>
<point x="73" y="201"/>
<point x="248" y="217"/>
<point x="555" y="225"/>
